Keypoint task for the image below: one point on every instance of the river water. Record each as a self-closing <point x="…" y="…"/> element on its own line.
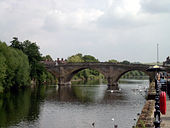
<point x="77" y="106"/>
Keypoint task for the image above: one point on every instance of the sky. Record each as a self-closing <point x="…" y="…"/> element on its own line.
<point x="107" y="29"/>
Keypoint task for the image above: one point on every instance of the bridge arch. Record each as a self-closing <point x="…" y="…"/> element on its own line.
<point x="76" y="70"/>
<point x="54" y="72"/>
<point x="112" y="72"/>
<point x="151" y="75"/>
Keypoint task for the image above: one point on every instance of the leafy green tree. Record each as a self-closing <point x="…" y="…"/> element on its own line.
<point x="3" y="68"/>
<point x="125" y="62"/>
<point x="47" y="57"/>
<point x="20" y="63"/>
<point x="89" y="58"/>
<point x="75" y="58"/>
<point x="15" y="67"/>
<point x="32" y="51"/>
<point x="22" y="75"/>
<point x="37" y="71"/>
<point x="50" y="79"/>
<point x="86" y="74"/>
<point x="34" y="56"/>
<point x="15" y="43"/>
<point x="113" y="61"/>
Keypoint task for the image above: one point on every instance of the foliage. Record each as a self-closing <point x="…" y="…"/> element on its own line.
<point x="47" y="57"/>
<point x="141" y="125"/>
<point x="133" y="74"/>
<point x="37" y="71"/>
<point x="15" y="43"/>
<point x="113" y="61"/>
<point x="14" y="67"/>
<point x="75" y="58"/>
<point x="125" y="62"/>
<point x="89" y="58"/>
<point x="20" y="63"/>
<point x="3" y="68"/>
<point x="86" y="74"/>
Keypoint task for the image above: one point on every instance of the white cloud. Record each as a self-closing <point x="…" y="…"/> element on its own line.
<point x="130" y="7"/>
<point x="156" y="6"/>
<point x="107" y="29"/>
<point x="78" y="19"/>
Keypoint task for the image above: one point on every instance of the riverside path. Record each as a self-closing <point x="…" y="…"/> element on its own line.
<point x="166" y="118"/>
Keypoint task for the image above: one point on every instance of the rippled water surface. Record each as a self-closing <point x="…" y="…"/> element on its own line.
<point x="77" y="106"/>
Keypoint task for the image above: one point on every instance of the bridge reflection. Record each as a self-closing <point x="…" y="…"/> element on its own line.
<point x="94" y="94"/>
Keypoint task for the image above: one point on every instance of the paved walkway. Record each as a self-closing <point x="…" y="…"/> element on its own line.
<point x="166" y="118"/>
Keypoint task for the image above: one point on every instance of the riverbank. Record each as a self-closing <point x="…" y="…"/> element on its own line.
<point x="146" y="117"/>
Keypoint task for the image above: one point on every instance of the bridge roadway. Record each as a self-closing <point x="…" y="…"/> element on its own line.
<point x="112" y="72"/>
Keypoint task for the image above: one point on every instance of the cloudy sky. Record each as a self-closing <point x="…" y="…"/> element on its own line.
<point x="106" y="29"/>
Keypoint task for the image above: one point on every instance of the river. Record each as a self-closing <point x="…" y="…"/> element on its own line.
<point x="77" y="106"/>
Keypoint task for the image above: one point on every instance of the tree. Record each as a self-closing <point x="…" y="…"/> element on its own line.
<point x="32" y="51"/>
<point x="125" y="62"/>
<point x="15" y="43"/>
<point x="34" y="56"/>
<point x="15" y="70"/>
<point x="38" y="73"/>
<point x="75" y="58"/>
<point x="47" y="57"/>
<point x="89" y="58"/>
<point x="113" y="61"/>
<point x="3" y="68"/>
<point x="85" y="74"/>
<point x="22" y="75"/>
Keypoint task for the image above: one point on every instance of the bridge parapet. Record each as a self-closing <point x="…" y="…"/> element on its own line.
<point x="54" y="63"/>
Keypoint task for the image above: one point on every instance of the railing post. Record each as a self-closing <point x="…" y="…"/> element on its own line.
<point x="157" y="105"/>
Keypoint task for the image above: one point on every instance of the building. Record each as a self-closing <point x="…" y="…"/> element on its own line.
<point x="167" y="62"/>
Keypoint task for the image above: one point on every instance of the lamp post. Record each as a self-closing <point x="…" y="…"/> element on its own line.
<point x="156" y="69"/>
<point x="157" y="105"/>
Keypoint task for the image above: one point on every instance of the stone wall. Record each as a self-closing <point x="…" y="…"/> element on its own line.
<point x="151" y="92"/>
<point x="146" y="117"/>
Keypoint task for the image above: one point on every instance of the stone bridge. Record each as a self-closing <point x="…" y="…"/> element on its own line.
<point x="111" y="71"/>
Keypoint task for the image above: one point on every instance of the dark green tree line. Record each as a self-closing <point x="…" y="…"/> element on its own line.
<point x="20" y="64"/>
<point x="38" y="73"/>
<point x="14" y="67"/>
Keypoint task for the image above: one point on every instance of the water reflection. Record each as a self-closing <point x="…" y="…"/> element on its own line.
<point x="53" y="105"/>
<point x="19" y="106"/>
<point x="83" y="94"/>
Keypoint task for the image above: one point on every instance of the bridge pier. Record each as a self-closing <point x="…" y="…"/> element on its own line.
<point x="113" y="87"/>
<point x="112" y="72"/>
<point x="112" y="83"/>
<point x="62" y="82"/>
